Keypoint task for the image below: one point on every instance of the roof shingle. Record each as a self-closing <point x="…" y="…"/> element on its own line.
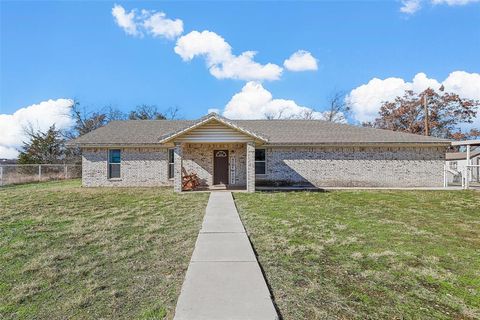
<point x="278" y="132"/>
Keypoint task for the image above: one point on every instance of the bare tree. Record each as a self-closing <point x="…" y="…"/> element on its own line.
<point x="304" y="114"/>
<point x="277" y="115"/>
<point x="85" y="121"/>
<point x="307" y="114"/>
<point x="172" y="113"/>
<point x="114" y="114"/>
<point x="146" y="112"/>
<point x="273" y="115"/>
<point x="338" y="108"/>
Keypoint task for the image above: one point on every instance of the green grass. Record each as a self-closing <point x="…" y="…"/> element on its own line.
<point x="68" y="252"/>
<point x="368" y="254"/>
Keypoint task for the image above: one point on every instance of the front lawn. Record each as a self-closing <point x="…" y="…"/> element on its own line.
<point x="368" y="254"/>
<point x="89" y="253"/>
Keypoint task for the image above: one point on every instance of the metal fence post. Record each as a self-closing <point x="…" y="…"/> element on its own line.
<point x="1" y="176"/>
<point x="65" y="170"/>
<point x="445" y="182"/>
<point x="39" y="172"/>
<point x="467" y="176"/>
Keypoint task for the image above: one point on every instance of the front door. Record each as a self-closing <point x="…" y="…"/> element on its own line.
<point x="220" y="167"/>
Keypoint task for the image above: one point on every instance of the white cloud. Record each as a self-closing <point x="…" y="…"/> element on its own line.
<point x="412" y="6"/>
<point x="454" y="2"/>
<point x="244" y="68"/>
<point x="155" y="23"/>
<point x="206" y="43"/>
<point x="218" y="54"/>
<point x="220" y="60"/>
<point x="465" y="84"/>
<point x="7" y="152"/>
<point x="301" y="61"/>
<point x="255" y="102"/>
<point x="125" y="20"/>
<point x="41" y="116"/>
<point x="367" y="99"/>
<point x="158" y="25"/>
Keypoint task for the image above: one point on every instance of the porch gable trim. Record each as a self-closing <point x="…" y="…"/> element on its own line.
<point x="208" y="118"/>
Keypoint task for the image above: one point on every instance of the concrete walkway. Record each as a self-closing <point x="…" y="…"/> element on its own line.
<point x="223" y="280"/>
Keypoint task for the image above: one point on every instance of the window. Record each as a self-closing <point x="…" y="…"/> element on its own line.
<point x="171" y="167"/>
<point x="114" y="159"/>
<point x="453" y="165"/>
<point x="259" y="161"/>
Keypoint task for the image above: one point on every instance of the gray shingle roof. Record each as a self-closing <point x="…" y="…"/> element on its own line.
<point x="132" y="132"/>
<point x="460" y="155"/>
<point x="319" y="131"/>
<point x="138" y="132"/>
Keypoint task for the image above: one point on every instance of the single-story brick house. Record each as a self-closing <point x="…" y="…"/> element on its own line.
<point x="245" y="153"/>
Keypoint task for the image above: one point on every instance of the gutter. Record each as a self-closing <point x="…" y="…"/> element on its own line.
<point x="361" y="144"/>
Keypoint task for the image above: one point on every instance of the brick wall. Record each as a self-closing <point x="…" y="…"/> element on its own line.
<point x="139" y="167"/>
<point x="198" y="158"/>
<point x="354" y="167"/>
<point x="319" y="166"/>
<point x="250" y="170"/>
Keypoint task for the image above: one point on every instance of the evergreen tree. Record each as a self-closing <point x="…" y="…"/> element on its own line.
<point x="43" y="147"/>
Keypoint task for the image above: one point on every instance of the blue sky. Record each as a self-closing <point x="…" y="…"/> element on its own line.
<point x="66" y="49"/>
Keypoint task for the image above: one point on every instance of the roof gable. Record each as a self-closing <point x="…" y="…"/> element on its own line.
<point x="214" y="122"/>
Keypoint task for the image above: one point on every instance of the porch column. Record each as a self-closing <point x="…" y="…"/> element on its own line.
<point x="468" y="174"/>
<point x="177" y="165"/>
<point x="250" y="166"/>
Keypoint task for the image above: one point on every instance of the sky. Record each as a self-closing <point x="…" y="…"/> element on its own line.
<point x="245" y="59"/>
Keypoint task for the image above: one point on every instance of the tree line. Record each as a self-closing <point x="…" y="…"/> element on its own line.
<point x="431" y="112"/>
<point x="50" y="146"/>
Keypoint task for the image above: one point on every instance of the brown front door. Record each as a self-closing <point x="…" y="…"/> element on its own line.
<point x="220" y="167"/>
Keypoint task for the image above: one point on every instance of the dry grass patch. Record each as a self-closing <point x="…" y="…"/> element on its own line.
<point x="90" y="253"/>
<point x="368" y="254"/>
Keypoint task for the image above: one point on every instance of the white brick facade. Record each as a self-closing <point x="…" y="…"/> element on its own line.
<point x="354" y="166"/>
<point x="198" y="158"/>
<point x="139" y="167"/>
<point x="316" y="166"/>
<point x="250" y="167"/>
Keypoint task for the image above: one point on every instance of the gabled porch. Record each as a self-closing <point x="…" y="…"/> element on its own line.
<point x="218" y="166"/>
<point x="219" y="153"/>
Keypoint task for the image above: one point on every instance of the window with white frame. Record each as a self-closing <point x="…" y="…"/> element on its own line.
<point x="260" y="163"/>
<point x="171" y="166"/>
<point x="114" y="160"/>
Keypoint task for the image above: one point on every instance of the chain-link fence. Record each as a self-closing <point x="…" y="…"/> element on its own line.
<point x="467" y="177"/>
<point x="23" y="173"/>
<point x="471" y="177"/>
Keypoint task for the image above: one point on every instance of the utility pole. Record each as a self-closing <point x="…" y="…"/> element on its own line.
<point x="425" y="106"/>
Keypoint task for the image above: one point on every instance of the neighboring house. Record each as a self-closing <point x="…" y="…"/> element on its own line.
<point x="8" y="161"/>
<point x="456" y="163"/>
<point x="249" y="153"/>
